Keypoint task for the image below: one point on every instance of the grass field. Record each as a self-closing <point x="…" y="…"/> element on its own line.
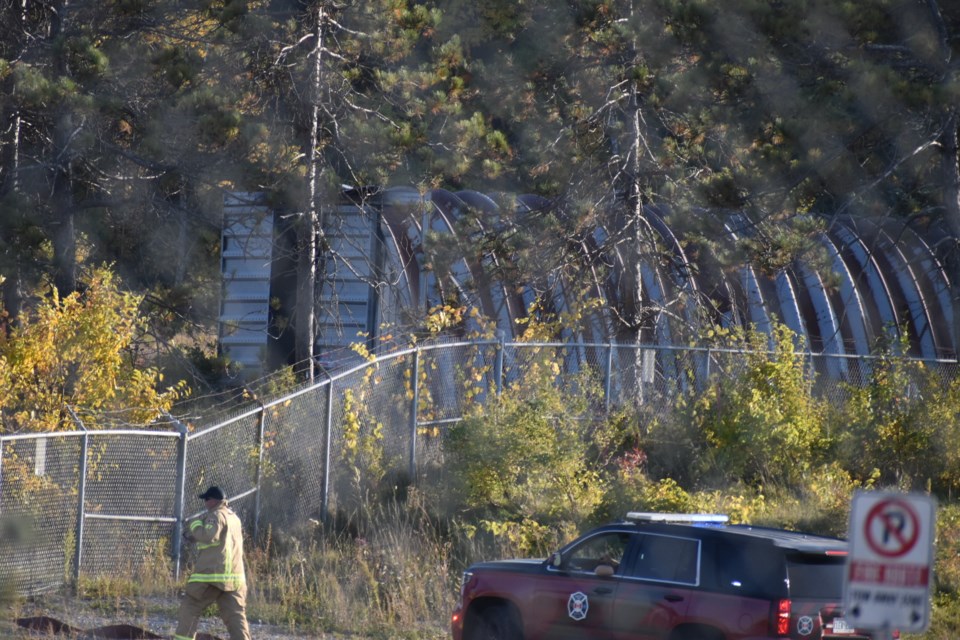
<point x="396" y="581"/>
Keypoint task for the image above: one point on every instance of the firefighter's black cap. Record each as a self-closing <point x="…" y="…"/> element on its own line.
<point x="213" y="493"/>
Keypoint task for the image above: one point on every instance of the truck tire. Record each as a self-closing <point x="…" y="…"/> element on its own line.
<point x="499" y="622"/>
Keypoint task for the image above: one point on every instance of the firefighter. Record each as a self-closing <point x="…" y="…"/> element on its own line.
<point x="218" y="575"/>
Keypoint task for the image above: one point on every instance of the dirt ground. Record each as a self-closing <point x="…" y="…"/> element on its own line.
<point x="85" y="619"/>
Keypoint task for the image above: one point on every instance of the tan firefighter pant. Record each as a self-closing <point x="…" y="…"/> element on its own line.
<point x="198" y="596"/>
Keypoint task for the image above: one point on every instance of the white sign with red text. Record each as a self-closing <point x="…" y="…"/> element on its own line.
<point x="889" y="568"/>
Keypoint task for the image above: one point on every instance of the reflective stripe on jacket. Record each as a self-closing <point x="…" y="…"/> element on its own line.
<point x="219" y="541"/>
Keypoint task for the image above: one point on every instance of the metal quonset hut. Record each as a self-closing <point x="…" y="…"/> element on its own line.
<point x="879" y="276"/>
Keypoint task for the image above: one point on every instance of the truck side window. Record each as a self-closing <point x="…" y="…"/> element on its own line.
<point x="668" y="559"/>
<point x="749" y="570"/>
<point x="605" y="548"/>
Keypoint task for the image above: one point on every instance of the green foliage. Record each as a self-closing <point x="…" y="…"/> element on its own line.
<point x="632" y="487"/>
<point x="84" y="58"/>
<point x="178" y="64"/>
<point x="742" y="504"/>
<point x="525" y="462"/>
<point x="886" y="423"/>
<point x="524" y="456"/>
<point x="947" y="575"/>
<point x="37" y="90"/>
<point x="945" y="618"/>
<point x="638" y="492"/>
<point x="940" y="415"/>
<point x="362" y="451"/>
<point x="78" y="351"/>
<point x="757" y="421"/>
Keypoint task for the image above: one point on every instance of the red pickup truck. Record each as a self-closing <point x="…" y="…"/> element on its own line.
<point x="663" y="577"/>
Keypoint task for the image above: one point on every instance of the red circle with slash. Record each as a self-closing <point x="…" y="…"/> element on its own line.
<point x="892" y="528"/>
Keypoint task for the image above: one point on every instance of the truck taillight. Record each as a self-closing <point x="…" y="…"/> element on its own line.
<point x="782" y="620"/>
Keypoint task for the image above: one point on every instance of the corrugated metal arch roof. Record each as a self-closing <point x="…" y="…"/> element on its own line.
<point x="883" y="277"/>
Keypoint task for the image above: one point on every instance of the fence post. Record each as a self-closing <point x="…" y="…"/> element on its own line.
<point x="325" y="495"/>
<point x="414" y="408"/>
<point x="498" y="364"/>
<point x="81" y="497"/>
<point x="261" y="420"/>
<point x="178" y="498"/>
<point x="607" y="379"/>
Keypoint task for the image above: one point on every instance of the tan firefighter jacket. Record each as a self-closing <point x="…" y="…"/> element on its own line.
<point x="219" y="548"/>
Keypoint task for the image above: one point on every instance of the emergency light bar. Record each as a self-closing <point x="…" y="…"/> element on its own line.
<point x="688" y="518"/>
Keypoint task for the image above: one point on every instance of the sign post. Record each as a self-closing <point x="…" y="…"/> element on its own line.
<point x="889" y="569"/>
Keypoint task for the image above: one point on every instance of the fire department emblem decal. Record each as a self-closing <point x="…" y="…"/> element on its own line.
<point x="805" y="625"/>
<point x="578" y="605"/>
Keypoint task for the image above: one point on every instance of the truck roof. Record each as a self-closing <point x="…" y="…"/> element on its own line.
<point x="784" y="538"/>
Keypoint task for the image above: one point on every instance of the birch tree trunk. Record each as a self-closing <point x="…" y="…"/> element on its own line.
<point x="643" y="239"/>
<point x="308" y="257"/>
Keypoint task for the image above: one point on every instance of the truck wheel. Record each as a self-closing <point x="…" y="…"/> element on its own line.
<point x="499" y="623"/>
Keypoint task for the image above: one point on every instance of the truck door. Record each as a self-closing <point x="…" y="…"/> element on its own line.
<point x="577" y="601"/>
<point x="657" y="586"/>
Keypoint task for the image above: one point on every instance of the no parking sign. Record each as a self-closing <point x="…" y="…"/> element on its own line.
<point x="889" y="569"/>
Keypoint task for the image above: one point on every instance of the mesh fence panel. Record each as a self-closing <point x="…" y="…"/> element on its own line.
<point x="450" y="379"/>
<point x="389" y="401"/>
<point x="129" y="476"/>
<point x="225" y="455"/>
<point x="646" y="376"/>
<point x="38" y="511"/>
<point x="294" y="441"/>
<point x="370" y="439"/>
<point x="245" y="508"/>
<point x="338" y="495"/>
<point x="126" y="548"/>
<point x="132" y="482"/>
<point x="453" y="376"/>
<point x="576" y="372"/>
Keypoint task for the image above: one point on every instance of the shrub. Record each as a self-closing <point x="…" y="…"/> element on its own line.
<point x="522" y="461"/>
<point x="885" y="424"/>
<point x="940" y="412"/>
<point x="756" y="421"/>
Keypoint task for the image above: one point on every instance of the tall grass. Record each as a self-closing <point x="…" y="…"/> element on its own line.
<point x="755" y="443"/>
<point x="390" y="570"/>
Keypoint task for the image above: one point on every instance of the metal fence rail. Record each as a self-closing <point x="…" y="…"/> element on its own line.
<point x="91" y="503"/>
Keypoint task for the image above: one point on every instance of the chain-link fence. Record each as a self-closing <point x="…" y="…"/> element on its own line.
<point x="101" y="502"/>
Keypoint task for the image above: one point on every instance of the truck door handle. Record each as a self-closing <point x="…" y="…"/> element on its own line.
<point x="672" y="598"/>
<point x="603" y="590"/>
